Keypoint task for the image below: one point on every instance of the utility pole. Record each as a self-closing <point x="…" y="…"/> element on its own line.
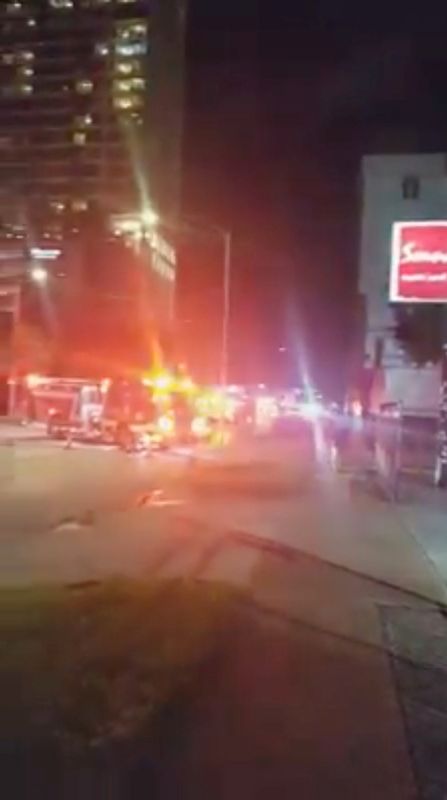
<point x="226" y="308"/>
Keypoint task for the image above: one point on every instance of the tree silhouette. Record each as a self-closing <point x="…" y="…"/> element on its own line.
<point x="419" y="329"/>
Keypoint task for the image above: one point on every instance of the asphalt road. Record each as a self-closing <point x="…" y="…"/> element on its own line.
<point x="86" y="511"/>
<point x="75" y="514"/>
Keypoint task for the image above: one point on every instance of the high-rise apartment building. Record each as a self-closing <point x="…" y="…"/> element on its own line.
<point x="90" y="97"/>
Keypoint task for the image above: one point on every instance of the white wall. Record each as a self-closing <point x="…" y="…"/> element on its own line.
<point x="383" y="203"/>
<point x="416" y="389"/>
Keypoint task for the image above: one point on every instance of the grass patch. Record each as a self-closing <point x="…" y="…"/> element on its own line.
<point x="92" y="667"/>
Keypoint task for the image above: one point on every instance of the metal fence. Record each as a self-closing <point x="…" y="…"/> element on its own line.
<point x="405" y="448"/>
<point x="387" y="440"/>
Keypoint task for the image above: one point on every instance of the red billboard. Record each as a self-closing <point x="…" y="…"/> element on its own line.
<point x="419" y="262"/>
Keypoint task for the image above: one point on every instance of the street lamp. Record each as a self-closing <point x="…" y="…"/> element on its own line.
<point x="39" y="275"/>
<point x="150" y="219"/>
<point x="227" y="240"/>
<point x="226" y="237"/>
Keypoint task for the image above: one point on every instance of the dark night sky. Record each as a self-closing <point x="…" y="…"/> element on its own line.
<point x="283" y="99"/>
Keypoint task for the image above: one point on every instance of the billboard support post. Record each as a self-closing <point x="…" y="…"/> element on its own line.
<point x="441" y="455"/>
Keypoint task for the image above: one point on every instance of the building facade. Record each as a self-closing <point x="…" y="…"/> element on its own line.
<point x="395" y="188"/>
<point x="83" y="88"/>
<point x="91" y="119"/>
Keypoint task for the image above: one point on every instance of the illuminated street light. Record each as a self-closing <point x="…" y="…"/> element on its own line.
<point x="149" y="217"/>
<point x="39" y="275"/>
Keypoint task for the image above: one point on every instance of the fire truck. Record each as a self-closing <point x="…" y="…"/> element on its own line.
<point x="130" y="417"/>
<point x="133" y="413"/>
<point x="67" y="406"/>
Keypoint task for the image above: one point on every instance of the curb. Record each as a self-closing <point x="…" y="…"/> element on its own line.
<point x="13" y="440"/>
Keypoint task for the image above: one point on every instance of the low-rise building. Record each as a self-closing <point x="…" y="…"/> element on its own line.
<point x="395" y="188"/>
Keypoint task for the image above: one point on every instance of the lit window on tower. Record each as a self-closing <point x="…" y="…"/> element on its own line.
<point x="84" y="86"/>
<point x="24" y="56"/>
<point x="128" y="67"/>
<point x="83" y="120"/>
<point x="14" y="7"/>
<point x="79" y="205"/>
<point x="132" y="49"/>
<point x="101" y="49"/>
<point x="127" y="102"/>
<point x="79" y="138"/>
<point x="62" y="4"/>
<point x="122" y="86"/>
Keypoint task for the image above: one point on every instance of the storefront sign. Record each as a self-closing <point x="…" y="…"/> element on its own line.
<point x="419" y="262"/>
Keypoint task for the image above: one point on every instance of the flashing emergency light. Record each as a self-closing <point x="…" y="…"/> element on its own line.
<point x="200" y="426"/>
<point x="162" y="382"/>
<point x="166" y="424"/>
<point x="186" y="385"/>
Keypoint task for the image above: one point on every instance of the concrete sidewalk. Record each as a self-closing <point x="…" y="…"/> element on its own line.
<point x="428" y="526"/>
<point x="339" y="526"/>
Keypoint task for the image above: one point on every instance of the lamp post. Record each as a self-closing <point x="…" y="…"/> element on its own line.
<point x="151" y="219"/>
<point x="227" y="239"/>
<point x="226" y="308"/>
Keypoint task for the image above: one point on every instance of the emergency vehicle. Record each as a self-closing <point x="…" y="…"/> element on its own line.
<point x="66" y="405"/>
